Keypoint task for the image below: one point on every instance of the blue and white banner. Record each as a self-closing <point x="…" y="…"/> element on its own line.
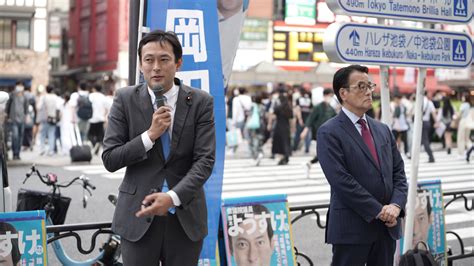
<point x="23" y="238"/>
<point x="196" y="25"/>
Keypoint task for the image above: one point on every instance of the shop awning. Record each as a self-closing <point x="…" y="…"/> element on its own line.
<point x="9" y="80"/>
<point x="265" y="72"/>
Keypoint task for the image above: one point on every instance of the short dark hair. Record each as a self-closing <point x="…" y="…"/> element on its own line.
<point x="428" y="199"/>
<point x="256" y="209"/>
<point x="7" y="227"/>
<point x="98" y="87"/>
<point x="162" y="37"/>
<point x="341" y="78"/>
<point x="327" y="92"/>
<point x="83" y="86"/>
<point x="49" y="88"/>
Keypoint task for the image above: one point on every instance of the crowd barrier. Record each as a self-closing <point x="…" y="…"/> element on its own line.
<point x="63" y="231"/>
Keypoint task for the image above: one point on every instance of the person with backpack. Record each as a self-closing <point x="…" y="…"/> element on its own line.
<point x="81" y="102"/>
<point x="320" y="114"/>
<point x="429" y="112"/>
<point x="400" y="124"/>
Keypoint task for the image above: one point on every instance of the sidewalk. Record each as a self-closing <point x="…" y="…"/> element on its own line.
<point x="33" y="157"/>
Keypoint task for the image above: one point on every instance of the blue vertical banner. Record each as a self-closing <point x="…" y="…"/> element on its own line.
<point x="196" y="25"/>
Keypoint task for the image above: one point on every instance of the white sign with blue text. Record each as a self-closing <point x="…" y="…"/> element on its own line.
<point x="443" y="11"/>
<point x="387" y="45"/>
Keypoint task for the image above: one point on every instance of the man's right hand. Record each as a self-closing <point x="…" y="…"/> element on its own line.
<point x="160" y="122"/>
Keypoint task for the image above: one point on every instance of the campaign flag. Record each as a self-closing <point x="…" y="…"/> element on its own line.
<point x="429" y="223"/>
<point x="23" y="238"/>
<point x="257" y="230"/>
<point x="196" y="25"/>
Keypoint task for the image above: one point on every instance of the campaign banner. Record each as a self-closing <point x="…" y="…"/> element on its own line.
<point x="257" y="231"/>
<point x="429" y="223"/>
<point x="23" y="238"/>
<point x="196" y="25"/>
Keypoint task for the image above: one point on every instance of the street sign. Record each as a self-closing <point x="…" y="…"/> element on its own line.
<point x="443" y="11"/>
<point x="387" y="45"/>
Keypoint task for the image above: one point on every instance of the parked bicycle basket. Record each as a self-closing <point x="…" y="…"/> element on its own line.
<point x="29" y="200"/>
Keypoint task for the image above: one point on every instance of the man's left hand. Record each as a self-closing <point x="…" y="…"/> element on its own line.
<point x="389" y="213"/>
<point x="155" y="204"/>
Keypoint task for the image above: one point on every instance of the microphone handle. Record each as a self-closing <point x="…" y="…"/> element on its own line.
<point x="159" y="101"/>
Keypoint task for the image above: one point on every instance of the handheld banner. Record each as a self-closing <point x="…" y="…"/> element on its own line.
<point x="196" y="25"/>
<point x="23" y="238"/>
<point x="257" y="231"/>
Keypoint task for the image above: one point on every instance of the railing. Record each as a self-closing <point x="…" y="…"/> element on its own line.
<point x="62" y="231"/>
<point x="449" y="197"/>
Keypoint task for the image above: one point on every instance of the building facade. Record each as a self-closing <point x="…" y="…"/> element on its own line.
<point x="23" y="43"/>
<point x="98" y="42"/>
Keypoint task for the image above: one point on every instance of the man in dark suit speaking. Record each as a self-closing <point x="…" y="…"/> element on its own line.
<point x="361" y="162"/>
<point x="163" y="132"/>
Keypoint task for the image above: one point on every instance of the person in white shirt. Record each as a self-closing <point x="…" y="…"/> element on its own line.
<point x="100" y="108"/>
<point x="241" y="105"/>
<point x="49" y="104"/>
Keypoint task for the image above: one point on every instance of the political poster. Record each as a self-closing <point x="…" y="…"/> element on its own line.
<point x="23" y="238"/>
<point x="429" y="223"/>
<point x="257" y="231"/>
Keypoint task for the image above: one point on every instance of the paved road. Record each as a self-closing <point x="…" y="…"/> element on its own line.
<point x="243" y="178"/>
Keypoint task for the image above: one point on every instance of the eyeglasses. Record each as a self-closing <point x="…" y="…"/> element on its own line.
<point x="363" y="87"/>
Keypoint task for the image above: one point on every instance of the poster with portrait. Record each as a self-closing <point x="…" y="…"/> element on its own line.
<point x="23" y="238"/>
<point x="257" y="231"/>
<point x="429" y="224"/>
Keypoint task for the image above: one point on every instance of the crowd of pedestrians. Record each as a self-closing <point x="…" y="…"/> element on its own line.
<point x="289" y="117"/>
<point x="47" y="120"/>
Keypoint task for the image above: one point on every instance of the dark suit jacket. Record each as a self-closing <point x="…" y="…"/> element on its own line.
<point x="359" y="188"/>
<point x="189" y="163"/>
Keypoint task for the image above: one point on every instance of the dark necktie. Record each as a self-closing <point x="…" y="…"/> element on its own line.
<point x="165" y="144"/>
<point x="369" y="141"/>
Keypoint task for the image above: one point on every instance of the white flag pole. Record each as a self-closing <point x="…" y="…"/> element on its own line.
<point x="415" y="160"/>
<point x="139" y="38"/>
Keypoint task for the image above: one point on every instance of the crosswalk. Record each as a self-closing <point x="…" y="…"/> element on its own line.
<point x="243" y="178"/>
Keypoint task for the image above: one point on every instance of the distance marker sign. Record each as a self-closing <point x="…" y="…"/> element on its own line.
<point x="387" y="45"/>
<point x="443" y="11"/>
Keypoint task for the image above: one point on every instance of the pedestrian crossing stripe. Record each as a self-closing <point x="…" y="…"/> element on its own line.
<point x="243" y="178"/>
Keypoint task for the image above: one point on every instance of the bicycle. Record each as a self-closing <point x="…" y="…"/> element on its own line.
<point x="56" y="206"/>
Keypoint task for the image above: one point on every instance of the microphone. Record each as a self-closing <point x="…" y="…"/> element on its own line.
<point x="158" y="91"/>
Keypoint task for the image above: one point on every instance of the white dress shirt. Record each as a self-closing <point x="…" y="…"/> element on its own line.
<point x="171" y="99"/>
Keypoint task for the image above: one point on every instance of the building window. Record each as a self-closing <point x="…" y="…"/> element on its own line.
<point x="15" y="33"/>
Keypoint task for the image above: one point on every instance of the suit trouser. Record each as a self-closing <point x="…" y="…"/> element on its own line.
<point x="425" y="139"/>
<point x="164" y="241"/>
<point x="378" y="253"/>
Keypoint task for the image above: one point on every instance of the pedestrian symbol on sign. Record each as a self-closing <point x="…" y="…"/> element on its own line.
<point x="459" y="52"/>
<point x="460" y="8"/>
<point x="355" y="38"/>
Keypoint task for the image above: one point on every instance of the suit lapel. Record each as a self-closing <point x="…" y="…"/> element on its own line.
<point x="349" y="127"/>
<point x="183" y="104"/>
<point x="146" y="108"/>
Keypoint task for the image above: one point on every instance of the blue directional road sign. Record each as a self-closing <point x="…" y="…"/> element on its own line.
<point x="386" y="45"/>
<point x="442" y="11"/>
